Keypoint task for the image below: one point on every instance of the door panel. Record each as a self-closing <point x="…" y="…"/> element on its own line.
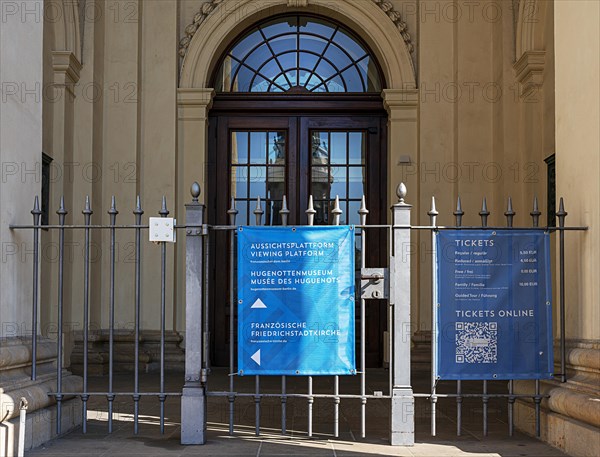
<point x="296" y="156"/>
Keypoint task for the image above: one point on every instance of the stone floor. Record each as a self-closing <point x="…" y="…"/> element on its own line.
<point x="149" y="442"/>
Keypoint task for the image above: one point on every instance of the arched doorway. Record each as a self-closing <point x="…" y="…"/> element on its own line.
<point x="297" y="112"/>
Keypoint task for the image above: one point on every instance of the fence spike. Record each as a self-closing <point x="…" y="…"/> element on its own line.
<point x="195" y="191"/>
<point x="232" y="211"/>
<point x="87" y="210"/>
<point x="113" y="206"/>
<point x="36" y="206"/>
<point x="536" y="213"/>
<point x="62" y="212"/>
<point x="484" y="213"/>
<point x="363" y="211"/>
<point x="401" y="192"/>
<point x="164" y="212"/>
<point x="310" y="211"/>
<point x="510" y="214"/>
<point x="433" y="213"/>
<point x="336" y="211"/>
<point x="561" y="213"/>
<point x="284" y="212"/>
<point x="258" y="212"/>
<point x="138" y="211"/>
<point x="459" y="213"/>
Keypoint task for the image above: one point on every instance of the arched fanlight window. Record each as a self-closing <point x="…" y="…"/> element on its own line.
<point x="298" y="54"/>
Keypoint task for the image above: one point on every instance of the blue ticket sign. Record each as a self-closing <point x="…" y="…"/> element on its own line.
<point x="296" y="301"/>
<point x="494" y="312"/>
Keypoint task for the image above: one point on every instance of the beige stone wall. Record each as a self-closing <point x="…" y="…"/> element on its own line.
<point x="478" y="125"/>
<point x="578" y="159"/>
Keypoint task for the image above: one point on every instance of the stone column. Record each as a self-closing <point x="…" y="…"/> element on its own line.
<point x="193" y="106"/>
<point x="404" y="157"/>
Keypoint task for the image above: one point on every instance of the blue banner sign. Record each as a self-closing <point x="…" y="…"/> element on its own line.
<point x="494" y="305"/>
<point x="296" y="301"/>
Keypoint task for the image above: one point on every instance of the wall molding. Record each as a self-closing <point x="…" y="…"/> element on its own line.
<point x="529" y="71"/>
<point x="211" y="6"/>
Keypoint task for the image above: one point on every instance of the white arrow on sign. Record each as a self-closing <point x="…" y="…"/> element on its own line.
<point x="256" y="357"/>
<point x="258" y="304"/>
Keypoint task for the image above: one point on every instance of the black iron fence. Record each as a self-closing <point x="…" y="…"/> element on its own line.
<point x="390" y="282"/>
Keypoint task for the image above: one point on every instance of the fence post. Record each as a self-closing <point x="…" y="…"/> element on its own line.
<point x="193" y="399"/>
<point x="402" y="425"/>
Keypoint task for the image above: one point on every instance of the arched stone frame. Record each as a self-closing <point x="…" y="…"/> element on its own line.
<point x="231" y="17"/>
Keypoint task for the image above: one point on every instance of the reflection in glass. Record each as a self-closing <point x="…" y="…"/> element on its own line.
<point x="338" y="170"/>
<point x="356" y="148"/>
<point x="298" y="51"/>
<point x="258" y="170"/>
<point x="356" y="182"/>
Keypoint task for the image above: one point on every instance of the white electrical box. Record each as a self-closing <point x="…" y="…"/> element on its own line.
<point x="162" y="229"/>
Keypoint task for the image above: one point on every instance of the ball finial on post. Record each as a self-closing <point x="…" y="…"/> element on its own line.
<point x="401" y="192"/>
<point x="195" y="191"/>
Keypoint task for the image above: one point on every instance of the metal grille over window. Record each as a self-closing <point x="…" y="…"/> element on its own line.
<point x="298" y="54"/>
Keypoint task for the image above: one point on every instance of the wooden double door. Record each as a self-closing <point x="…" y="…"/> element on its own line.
<point x="272" y="156"/>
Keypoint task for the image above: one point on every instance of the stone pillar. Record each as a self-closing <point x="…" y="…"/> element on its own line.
<point x="193" y="400"/>
<point x="21" y="35"/>
<point x="193" y="106"/>
<point x="21" y="156"/>
<point x="402" y="420"/>
<point x="571" y="416"/>
<point x="402" y="106"/>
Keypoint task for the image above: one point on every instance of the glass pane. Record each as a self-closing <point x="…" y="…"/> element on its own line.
<point x="322" y="209"/>
<point x="308" y="61"/>
<point x="272" y="213"/>
<point x="242" y="80"/>
<point x="239" y="147"/>
<point x="281" y="82"/>
<point x="357" y="182"/>
<point x="276" y="185"/>
<point x="357" y="148"/>
<point x="258" y="147"/>
<point x="353" y="216"/>
<point x="228" y="69"/>
<point x="339" y="181"/>
<point x="344" y="216"/>
<point x="320" y="147"/>
<point x="287" y="60"/>
<point x="370" y="74"/>
<point x="353" y="81"/>
<point x="271" y="69"/>
<point x="338" y="147"/>
<point x="258" y="182"/>
<point x="276" y="148"/>
<point x="355" y="50"/>
<point x="325" y="70"/>
<point x="320" y="185"/>
<point x="260" y="84"/>
<point x="258" y="57"/>
<point x="239" y="182"/>
<point x="336" y="85"/>
<point x="284" y="44"/>
<point x="338" y="57"/>
<point x="279" y="26"/>
<point x="242" y="207"/>
<point x="242" y="49"/>
<point x="316" y="26"/>
<point x="313" y="82"/>
<point x="312" y="43"/>
<point x="292" y="76"/>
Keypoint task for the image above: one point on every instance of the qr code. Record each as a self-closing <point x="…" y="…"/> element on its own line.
<point x="476" y="342"/>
